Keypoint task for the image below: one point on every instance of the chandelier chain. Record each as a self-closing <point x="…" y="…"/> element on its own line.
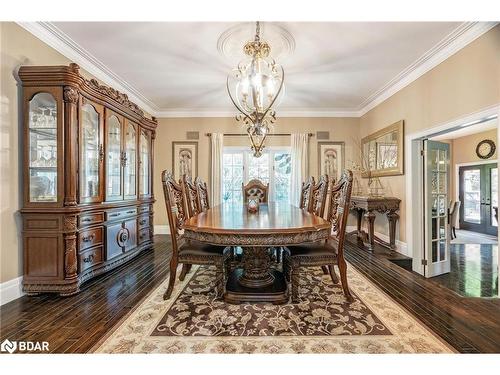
<point x="257" y="31"/>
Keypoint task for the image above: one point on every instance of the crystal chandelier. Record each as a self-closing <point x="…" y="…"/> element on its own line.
<point x="254" y="87"/>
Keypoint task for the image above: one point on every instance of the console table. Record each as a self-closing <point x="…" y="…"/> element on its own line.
<point x="366" y="207"/>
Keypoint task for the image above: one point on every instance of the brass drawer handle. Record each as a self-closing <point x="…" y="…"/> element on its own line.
<point x="131" y="212"/>
<point x="86" y="220"/>
<point x="115" y="214"/>
<point x="143" y="221"/>
<point x="89" y="259"/>
<point x="123" y="237"/>
<point x="88" y="238"/>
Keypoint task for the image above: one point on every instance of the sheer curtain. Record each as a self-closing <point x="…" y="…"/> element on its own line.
<point x="299" y="155"/>
<point x="217" y="148"/>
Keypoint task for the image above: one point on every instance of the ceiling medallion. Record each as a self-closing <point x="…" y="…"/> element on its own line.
<point x="254" y="87"/>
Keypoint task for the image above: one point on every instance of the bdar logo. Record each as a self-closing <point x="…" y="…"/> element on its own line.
<point x="8" y="346"/>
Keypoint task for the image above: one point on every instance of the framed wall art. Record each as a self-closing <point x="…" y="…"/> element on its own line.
<point x="184" y="159"/>
<point x="331" y="159"/>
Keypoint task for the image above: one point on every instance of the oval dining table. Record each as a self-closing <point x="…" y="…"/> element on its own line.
<point x="274" y="225"/>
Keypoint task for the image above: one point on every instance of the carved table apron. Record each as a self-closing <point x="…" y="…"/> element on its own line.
<point x="365" y="207"/>
<point x="275" y="225"/>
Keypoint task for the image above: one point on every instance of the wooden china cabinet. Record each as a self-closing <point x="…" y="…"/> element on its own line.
<point x="88" y="157"/>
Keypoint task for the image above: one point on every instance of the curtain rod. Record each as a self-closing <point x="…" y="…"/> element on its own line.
<point x="246" y="135"/>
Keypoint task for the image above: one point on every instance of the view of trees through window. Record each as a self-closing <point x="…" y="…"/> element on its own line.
<point x="240" y="166"/>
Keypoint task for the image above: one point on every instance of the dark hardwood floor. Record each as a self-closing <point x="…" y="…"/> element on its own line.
<point x="75" y="324"/>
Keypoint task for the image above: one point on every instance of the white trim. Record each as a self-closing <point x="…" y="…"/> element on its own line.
<point x="193" y="112"/>
<point x="162" y="229"/>
<point x="466" y="33"/>
<point x="11" y="290"/>
<point x="401" y="247"/>
<point x="413" y="190"/>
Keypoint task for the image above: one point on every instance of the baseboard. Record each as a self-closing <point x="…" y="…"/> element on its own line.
<point x="162" y="229"/>
<point x="401" y="247"/>
<point x="11" y="290"/>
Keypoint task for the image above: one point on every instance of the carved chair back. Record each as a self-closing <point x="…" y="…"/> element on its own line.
<point x="255" y="188"/>
<point x="203" y="202"/>
<point x="305" y="192"/>
<point x="176" y="207"/>
<point x="191" y="195"/>
<point x="318" y="196"/>
<point x="338" y="211"/>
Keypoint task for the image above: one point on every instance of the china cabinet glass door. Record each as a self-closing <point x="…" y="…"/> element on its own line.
<point x="43" y="148"/>
<point x="145" y="161"/>
<point x="129" y="172"/>
<point x="91" y="154"/>
<point x="114" y="158"/>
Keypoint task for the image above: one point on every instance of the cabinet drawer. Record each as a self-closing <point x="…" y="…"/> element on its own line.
<point x="145" y="209"/>
<point x="143" y="221"/>
<point x="144" y="235"/>
<point x="90" y="257"/>
<point x="91" y="219"/>
<point x="120" y="214"/>
<point x="90" y="237"/>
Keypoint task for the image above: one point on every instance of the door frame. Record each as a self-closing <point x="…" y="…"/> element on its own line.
<point x="413" y="179"/>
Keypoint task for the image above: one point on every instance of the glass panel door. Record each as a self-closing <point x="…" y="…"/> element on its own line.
<point x="144" y="167"/>
<point x="113" y="158"/>
<point x="436" y="186"/>
<point x="130" y="166"/>
<point x="90" y="154"/>
<point x="43" y="148"/>
<point x="478" y="192"/>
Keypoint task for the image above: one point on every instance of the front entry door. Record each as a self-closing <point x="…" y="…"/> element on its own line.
<point x="478" y="194"/>
<point x="436" y="259"/>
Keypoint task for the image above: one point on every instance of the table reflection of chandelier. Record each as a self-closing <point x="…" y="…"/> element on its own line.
<point x="254" y="87"/>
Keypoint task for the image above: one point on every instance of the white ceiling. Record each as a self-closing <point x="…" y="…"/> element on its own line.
<point x="182" y="67"/>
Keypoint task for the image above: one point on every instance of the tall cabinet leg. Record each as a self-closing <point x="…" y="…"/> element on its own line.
<point x="393" y="217"/>
<point x="370" y="219"/>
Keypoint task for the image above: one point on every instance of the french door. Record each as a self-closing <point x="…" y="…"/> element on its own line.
<point x="436" y="259"/>
<point x="478" y="192"/>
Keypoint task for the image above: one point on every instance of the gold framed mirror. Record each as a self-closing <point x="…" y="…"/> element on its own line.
<point x="383" y="151"/>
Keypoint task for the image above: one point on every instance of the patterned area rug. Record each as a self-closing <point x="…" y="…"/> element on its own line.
<point x="194" y="321"/>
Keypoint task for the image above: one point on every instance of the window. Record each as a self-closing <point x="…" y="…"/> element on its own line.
<point x="240" y="166"/>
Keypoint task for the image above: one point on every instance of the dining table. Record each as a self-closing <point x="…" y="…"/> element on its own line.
<point x="273" y="226"/>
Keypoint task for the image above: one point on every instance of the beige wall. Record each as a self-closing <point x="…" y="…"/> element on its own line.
<point x="17" y="47"/>
<point x="464" y="83"/>
<point x="174" y="129"/>
<point x="464" y="151"/>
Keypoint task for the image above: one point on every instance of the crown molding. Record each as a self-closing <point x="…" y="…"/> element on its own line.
<point x="466" y="33"/>
<point x="62" y="43"/>
<point x="186" y="112"/>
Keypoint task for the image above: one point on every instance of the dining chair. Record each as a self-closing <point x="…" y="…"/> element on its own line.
<point x="454" y="219"/>
<point x="183" y="251"/>
<point x="191" y="195"/>
<point x="203" y="202"/>
<point x="329" y="252"/>
<point x="255" y="188"/>
<point x="305" y="192"/>
<point x="317" y="200"/>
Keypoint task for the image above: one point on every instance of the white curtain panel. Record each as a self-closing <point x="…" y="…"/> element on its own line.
<point x="300" y="152"/>
<point x="217" y="149"/>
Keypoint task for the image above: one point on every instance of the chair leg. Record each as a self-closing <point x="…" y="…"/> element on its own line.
<point x="454" y="232"/>
<point x="333" y="274"/>
<point x="219" y="279"/>
<point x="171" y="281"/>
<point x="295" y="285"/>
<point x="343" y="277"/>
<point x="185" y="270"/>
<point x="325" y="270"/>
